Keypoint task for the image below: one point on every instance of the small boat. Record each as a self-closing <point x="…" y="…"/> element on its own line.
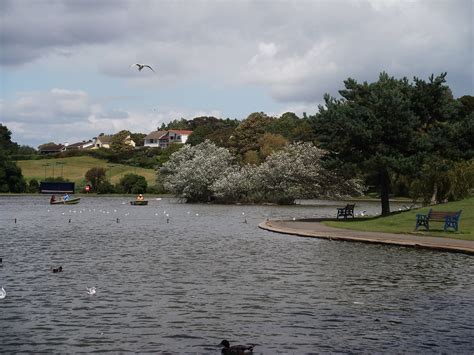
<point x="139" y="203"/>
<point x="71" y="201"/>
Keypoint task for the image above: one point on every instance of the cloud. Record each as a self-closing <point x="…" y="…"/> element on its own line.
<point x="294" y="51"/>
<point x="62" y="115"/>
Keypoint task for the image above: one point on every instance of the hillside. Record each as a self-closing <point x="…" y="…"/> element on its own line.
<point x="74" y="169"/>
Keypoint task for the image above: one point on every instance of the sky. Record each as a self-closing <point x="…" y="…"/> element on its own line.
<point x="67" y="74"/>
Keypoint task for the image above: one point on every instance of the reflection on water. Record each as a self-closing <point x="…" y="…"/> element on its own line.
<point x="180" y="278"/>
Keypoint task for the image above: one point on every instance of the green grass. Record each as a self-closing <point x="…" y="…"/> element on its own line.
<point x="404" y="222"/>
<point x="75" y="168"/>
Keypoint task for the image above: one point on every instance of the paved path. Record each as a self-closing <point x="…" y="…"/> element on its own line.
<point x="313" y="228"/>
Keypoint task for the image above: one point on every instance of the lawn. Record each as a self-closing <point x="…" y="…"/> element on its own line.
<point x="404" y="222"/>
<point x="75" y="168"/>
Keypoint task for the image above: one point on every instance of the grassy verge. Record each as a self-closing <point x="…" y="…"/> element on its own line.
<point x="75" y="168"/>
<point x="404" y="222"/>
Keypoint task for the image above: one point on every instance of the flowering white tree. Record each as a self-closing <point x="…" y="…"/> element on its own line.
<point x="206" y="172"/>
<point x="296" y="172"/>
<point x="192" y="170"/>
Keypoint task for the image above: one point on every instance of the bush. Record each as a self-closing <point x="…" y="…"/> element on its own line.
<point x="132" y="183"/>
<point x="105" y="187"/>
<point x="33" y="186"/>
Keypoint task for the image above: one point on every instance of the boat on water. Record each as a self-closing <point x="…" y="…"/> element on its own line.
<point x="71" y="201"/>
<point x="139" y="203"/>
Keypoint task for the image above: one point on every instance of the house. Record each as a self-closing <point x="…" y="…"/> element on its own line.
<point x="162" y="139"/>
<point x="80" y="145"/>
<point x="105" y="141"/>
<point x="51" y="148"/>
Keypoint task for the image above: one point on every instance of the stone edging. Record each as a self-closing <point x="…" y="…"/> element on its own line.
<point x="329" y="233"/>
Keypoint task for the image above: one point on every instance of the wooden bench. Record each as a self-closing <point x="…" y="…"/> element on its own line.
<point x="450" y="219"/>
<point x="345" y="211"/>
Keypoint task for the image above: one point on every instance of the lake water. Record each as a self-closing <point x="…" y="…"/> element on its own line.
<point x="177" y="278"/>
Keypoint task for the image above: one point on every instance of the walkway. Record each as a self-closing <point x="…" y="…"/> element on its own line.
<point x="313" y="228"/>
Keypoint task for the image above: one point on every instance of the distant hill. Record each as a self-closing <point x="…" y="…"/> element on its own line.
<point x="74" y="169"/>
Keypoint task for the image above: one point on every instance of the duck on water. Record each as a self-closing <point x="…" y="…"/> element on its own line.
<point x="235" y="349"/>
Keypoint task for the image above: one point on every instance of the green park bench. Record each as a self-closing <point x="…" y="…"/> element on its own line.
<point x="346" y="211"/>
<point x="450" y="219"/>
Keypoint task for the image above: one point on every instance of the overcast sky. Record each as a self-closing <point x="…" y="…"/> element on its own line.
<point x="66" y="75"/>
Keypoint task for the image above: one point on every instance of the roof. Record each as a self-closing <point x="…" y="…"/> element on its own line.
<point x="52" y="148"/>
<point x="105" y="138"/>
<point x="156" y="135"/>
<point x="79" y="144"/>
<point x="181" y="131"/>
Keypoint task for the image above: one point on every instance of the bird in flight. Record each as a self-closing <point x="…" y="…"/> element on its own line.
<point x="91" y="290"/>
<point x="141" y="66"/>
<point x="3" y="294"/>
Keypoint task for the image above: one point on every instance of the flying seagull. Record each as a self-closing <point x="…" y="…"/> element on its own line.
<point x="3" y="294"/>
<point x="141" y="66"/>
<point x="91" y="291"/>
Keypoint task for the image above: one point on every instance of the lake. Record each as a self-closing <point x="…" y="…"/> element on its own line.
<point x="177" y="278"/>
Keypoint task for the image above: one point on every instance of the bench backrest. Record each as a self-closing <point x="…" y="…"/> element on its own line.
<point x="442" y="214"/>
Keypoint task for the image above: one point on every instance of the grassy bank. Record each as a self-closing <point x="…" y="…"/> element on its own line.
<point x="404" y="222"/>
<point x="75" y="168"/>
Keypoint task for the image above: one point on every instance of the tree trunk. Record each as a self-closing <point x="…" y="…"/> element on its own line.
<point x="434" y="197"/>
<point x="384" y="192"/>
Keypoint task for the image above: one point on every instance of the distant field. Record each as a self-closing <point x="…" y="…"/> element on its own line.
<point x="75" y="168"/>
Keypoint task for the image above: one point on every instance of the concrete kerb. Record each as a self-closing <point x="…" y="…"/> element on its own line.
<point x="314" y="229"/>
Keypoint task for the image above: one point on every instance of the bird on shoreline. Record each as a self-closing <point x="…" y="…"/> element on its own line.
<point x="141" y="66"/>
<point x="235" y="349"/>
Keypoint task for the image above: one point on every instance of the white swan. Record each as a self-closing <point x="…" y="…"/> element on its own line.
<point x="3" y="293"/>
<point x="91" y="291"/>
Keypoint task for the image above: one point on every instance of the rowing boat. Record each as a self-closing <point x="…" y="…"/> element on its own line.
<point x="71" y="201"/>
<point x="139" y="203"/>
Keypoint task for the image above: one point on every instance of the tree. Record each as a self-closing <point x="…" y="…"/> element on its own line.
<point x="270" y="142"/>
<point x="192" y="170"/>
<point x="11" y="178"/>
<point x="133" y="184"/>
<point x="371" y="129"/>
<point x="294" y="172"/>
<point x="95" y="176"/>
<point x="138" y="138"/>
<point x="246" y="136"/>
<point x="119" y="144"/>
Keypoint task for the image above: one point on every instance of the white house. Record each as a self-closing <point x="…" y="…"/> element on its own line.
<point x="162" y="139"/>
<point x="104" y="141"/>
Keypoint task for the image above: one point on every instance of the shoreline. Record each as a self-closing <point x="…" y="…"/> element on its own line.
<point x="312" y="228"/>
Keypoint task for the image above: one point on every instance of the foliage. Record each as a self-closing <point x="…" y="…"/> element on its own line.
<point x="105" y="187"/>
<point x="138" y="138"/>
<point x="11" y="177"/>
<point x="246" y="136"/>
<point x="270" y="143"/>
<point x="206" y="172"/>
<point x="33" y="186"/>
<point x="132" y="183"/>
<point x="95" y="176"/>
<point x="388" y="127"/>
<point x="119" y="140"/>
<point x="192" y="170"/>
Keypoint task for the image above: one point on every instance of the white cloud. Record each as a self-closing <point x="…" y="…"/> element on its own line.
<point x="62" y="115"/>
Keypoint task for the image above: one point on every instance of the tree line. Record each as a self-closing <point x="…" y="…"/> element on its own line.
<point x="396" y="136"/>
